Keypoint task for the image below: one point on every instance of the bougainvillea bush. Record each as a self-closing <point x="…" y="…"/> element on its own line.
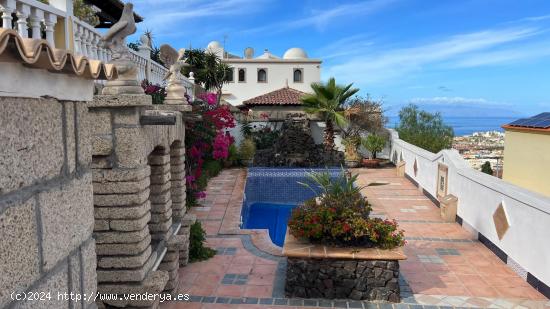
<point x="207" y="143"/>
<point x="157" y="92"/>
<point x="339" y="216"/>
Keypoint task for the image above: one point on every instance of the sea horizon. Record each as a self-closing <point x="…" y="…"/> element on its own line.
<point x="467" y="125"/>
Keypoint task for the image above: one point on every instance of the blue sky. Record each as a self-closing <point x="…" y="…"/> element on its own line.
<point x="462" y="57"/>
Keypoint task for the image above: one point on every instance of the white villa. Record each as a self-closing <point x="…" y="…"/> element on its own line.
<point x="258" y="75"/>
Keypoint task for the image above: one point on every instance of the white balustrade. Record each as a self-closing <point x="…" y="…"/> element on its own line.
<point x="87" y="41"/>
<point x="34" y="14"/>
<point x="37" y="20"/>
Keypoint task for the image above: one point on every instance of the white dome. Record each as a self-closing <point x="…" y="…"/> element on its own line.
<point x="214" y="45"/>
<point x="295" y="53"/>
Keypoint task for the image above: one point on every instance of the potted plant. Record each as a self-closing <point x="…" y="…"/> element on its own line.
<point x="374" y="144"/>
<point x="334" y="249"/>
<point x="247" y="151"/>
<point x="352" y="157"/>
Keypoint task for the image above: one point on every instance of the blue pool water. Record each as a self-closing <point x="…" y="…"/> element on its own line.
<point x="270" y="196"/>
<point x="273" y="217"/>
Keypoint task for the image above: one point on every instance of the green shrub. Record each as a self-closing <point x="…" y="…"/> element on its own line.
<point x="197" y="250"/>
<point x="374" y="143"/>
<point x="233" y="158"/>
<point x="487" y="169"/>
<point x="265" y="138"/>
<point x="212" y="168"/>
<point x="247" y="149"/>
<point x="340" y="216"/>
<point x="423" y="129"/>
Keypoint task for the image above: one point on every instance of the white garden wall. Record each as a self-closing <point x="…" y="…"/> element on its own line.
<point x="527" y="241"/>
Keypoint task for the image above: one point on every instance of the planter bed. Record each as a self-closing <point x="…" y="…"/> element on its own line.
<point x="318" y="271"/>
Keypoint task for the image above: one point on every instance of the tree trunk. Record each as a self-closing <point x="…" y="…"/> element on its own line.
<point x="219" y="96"/>
<point x="329" y="135"/>
<point x="374" y="154"/>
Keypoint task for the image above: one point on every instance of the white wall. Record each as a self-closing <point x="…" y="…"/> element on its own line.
<point x="527" y="239"/>
<point x="278" y="71"/>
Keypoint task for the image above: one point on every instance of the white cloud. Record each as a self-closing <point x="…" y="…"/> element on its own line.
<point x="321" y="18"/>
<point x="506" y="56"/>
<point x="450" y="101"/>
<point x="395" y="63"/>
<point x="178" y="15"/>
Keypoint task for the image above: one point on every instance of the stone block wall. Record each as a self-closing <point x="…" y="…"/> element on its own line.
<point x="343" y="279"/>
<point x="139" y="199"/>
<point x="46" y="208"/>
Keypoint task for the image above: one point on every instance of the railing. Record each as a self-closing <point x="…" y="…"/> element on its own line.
<point x="87" y="41"/>
<point x="34" y="14"/>
<point x="479" y="195"/>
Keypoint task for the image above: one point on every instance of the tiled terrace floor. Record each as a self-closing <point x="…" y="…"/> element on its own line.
<point x="446" y="266"/>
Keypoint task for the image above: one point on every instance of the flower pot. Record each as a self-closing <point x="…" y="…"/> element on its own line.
<point x="371" y="163"/>
<point x="248" y="162"/>
<point x="351" y="163"/>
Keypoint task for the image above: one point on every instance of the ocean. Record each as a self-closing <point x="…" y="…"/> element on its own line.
<point x="467" y="125"/>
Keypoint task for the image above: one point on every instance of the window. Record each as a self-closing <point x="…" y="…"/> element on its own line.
<point x="229" y="75"/>
<point x="262" y="75"/>
<point x="298" y="75"/>
<point x="242" y="75"/>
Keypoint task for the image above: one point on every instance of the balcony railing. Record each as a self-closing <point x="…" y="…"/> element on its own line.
<point x="56" y="24"/>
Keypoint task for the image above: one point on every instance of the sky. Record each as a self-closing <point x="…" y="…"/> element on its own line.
<point x="488" y="58"/>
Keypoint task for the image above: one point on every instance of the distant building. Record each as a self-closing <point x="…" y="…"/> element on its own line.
<point x="527" y="153"/>
<point x="255" y="76"/>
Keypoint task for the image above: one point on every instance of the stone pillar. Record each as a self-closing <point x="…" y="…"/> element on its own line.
<point x="400" y="168"/>
<point x="135" y="225"/>
<point x="177" y="180"/>
<point x="161" y="203"/>
<point x="185" y="230"/>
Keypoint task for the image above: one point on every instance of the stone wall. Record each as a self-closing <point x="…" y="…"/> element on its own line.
<point x="46" y="208"/>
<point x="343" y="279"/>
<point x="139" y="198"/>
<point x="296" y="148"/>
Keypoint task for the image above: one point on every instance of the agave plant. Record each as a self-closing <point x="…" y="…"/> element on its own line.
<point x="344" y="184"/>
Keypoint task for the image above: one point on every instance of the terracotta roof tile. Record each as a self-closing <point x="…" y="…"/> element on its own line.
<point x="283" y="96"/>
<point x="39" y="54"/>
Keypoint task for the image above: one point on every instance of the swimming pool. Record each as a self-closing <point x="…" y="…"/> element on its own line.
<point x="271" y="194"/>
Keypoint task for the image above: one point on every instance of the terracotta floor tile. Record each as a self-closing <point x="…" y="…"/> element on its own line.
<point x="230" y="290"/>
<point x="243" y="260"/>
<point x="264" y="269"/>
<point x="202" y="290"/>
<point x="483" y="291"/>
<point x="260" y="291"/>
<point x="261" y="279"/>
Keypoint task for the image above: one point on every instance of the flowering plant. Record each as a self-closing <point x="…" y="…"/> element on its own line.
<point x="207" y="143"/>
<point x="340" y="216"/>
<point x="157" y="92"/>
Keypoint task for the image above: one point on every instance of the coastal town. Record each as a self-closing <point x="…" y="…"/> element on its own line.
<point x="481" y="147"/>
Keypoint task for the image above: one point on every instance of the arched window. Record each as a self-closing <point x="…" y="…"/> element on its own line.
<point x="229" y="75"/>
<point x="262" y="76"/>
<point x="298" y="75"/>
<point x="242" y="75"/>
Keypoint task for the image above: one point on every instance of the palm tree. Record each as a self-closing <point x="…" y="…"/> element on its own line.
<point x="328" y="101"/>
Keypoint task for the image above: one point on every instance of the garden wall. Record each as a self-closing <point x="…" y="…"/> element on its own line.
<point x="46" y="201"/>
<point x="526" y="214"/>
